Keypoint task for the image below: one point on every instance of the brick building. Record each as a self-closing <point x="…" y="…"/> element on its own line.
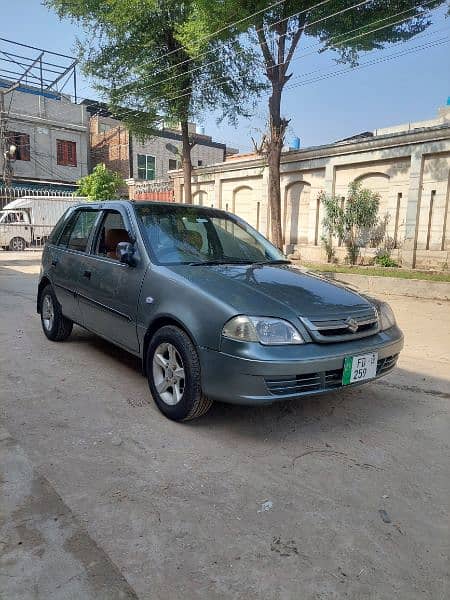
<point x="145" y="165"/>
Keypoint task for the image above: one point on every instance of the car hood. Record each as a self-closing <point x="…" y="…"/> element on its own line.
<point x="273" y="290"/>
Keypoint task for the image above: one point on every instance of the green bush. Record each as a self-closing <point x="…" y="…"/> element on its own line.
<point x="352" y="222"/>
<point x="384" y="260"/>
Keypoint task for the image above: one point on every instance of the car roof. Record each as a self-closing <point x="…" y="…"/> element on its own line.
<point x="144" y="203"/>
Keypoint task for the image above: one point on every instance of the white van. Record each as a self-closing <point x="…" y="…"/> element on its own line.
<point x="29" y="220"/>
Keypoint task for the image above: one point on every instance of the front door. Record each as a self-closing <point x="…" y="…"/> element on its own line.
<point x="109" y="289"/>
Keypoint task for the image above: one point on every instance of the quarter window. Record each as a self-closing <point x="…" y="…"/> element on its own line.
<point x="66" y="153"/>
<point x="146" y="166"/>
<point x="77" y="231"/>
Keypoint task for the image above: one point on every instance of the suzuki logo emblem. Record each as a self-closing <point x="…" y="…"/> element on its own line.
<point x="352" y="324"/>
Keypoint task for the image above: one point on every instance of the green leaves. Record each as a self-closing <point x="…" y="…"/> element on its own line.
<point x="159" y="58"/>
<point x="101" y="184"/>
<point x="351" y="220"/>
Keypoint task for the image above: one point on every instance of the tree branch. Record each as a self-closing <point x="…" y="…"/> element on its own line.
<point x="282" y="33"/>
<point x="294" y="43"/>
<point x="268" y="58"/>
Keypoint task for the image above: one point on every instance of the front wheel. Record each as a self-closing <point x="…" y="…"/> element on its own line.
<point x="17" y="244"/>
<point x="173" y="371"/>
<point x="55" y="325"/>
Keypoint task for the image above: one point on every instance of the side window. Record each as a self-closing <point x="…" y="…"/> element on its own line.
<point x="112" y="231"/>
<point x="76" y="233"/>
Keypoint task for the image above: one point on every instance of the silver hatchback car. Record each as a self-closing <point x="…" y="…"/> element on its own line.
<point x="214" y="311"/>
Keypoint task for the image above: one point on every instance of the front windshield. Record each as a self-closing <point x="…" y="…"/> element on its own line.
<point x="194" y="235"/>
<point x="8" y="216"/>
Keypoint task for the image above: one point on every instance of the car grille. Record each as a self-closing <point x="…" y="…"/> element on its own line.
<point x="326" y="331"/>
<point x="307" y="383"/>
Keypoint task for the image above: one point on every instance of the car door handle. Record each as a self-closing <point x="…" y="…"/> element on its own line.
<point x="87" y="274"/>
<point x="54" y="262"/>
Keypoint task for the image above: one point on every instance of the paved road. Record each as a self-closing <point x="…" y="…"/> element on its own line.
<point x="153" y="509"/>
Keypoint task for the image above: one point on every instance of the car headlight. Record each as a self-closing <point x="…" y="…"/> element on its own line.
<point x="266" y="330"/>
<point x="387" y="318"/>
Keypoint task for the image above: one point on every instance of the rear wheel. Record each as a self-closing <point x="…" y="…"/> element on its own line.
<point x="54" y="324"/>
<point x="173" y="371"/>
<point x="17" y="244"/>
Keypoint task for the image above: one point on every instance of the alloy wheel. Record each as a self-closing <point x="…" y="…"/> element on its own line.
<point x="168" y="373"/>
<point x="48" y="313"/>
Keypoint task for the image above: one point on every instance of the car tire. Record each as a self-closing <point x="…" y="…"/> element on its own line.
<point x="55" y="325"/>
<point x="173" y="372"/>
<point x="17" y="244"/>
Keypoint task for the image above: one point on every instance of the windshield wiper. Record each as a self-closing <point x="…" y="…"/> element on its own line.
<point x="239" y="261"/>
<point x="279" y="261"/>
<point x="230" y="261"/>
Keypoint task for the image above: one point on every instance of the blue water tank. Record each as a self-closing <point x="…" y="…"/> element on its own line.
<point x="295" y="144"/>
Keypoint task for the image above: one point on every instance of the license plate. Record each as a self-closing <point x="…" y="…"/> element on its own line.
<point x="359" y="368"/>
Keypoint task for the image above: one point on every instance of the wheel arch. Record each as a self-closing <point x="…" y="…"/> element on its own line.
<point x="42" y="284"/>
<point x="155" y="325"/>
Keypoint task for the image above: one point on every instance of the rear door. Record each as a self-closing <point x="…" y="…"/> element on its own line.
<point x="109" y="289"/>
<point x="66" y="259"/>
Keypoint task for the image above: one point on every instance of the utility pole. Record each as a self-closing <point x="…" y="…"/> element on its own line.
<point x="7" y="150"/>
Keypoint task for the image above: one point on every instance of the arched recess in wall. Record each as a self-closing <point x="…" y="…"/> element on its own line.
<point x="244" y="205"/>
<point x="379" y="183"/>
<point x="296" y="212"/>
<point x="200" y="197"/>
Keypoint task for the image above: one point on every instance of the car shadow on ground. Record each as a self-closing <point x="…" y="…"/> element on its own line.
<point x="381" y="401"/>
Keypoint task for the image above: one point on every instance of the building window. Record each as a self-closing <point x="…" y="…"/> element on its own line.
<point x="200" y="163"/>
<point x="146" y="166"/>
<point x="104" y="127"/>
<point x="22" y="143"/>
<point x="66" y="153"/>
<point x="173" y="164"/>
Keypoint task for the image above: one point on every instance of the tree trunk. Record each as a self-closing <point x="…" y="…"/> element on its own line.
<point x="273" y="162"/>
<point x="274" y="149"/>
<point x="186" y="161"/>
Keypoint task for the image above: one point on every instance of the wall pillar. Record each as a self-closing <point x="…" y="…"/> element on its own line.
<point x="409" y="246"/>
<point x="330" y="179"/>
<point x="217" y="197"/>
<point x="177" y="192"/>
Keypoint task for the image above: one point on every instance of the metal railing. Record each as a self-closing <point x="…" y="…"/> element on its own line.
<point x="8" y="194"/>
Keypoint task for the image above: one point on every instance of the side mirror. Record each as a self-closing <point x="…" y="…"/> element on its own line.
<point x="125" y="252"/>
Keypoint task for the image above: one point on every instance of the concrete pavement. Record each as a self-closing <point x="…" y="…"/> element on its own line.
<point x="44" y="552"/>
<point x="277" y="503"/>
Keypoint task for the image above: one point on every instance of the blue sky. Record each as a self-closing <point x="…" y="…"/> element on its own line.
<point x="408" y="88"/>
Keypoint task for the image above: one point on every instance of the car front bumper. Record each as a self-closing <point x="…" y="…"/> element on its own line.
<point x="250" y="374"/>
